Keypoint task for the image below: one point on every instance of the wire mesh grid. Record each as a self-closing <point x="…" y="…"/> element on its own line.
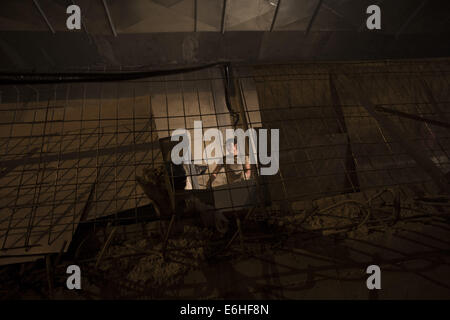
<point x="72" y="153"/>
<point x="330" y="144"/>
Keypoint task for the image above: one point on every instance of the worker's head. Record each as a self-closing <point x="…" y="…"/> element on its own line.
<point x="231" y="145"/>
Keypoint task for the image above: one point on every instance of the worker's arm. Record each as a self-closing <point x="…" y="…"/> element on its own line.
<point x="247" y="168"/>
<point x="213" y="175"/>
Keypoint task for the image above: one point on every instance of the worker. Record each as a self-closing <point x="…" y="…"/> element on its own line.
<point x="230" y="172"/>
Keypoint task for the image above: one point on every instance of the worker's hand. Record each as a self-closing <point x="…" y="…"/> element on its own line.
<point x="248" y="169"/>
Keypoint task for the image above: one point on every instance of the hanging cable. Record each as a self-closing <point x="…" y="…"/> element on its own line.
<point x="49" y="78"/>
<point x="228" y="85"/>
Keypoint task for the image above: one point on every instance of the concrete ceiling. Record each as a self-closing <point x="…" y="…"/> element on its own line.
<point x="161" y="33"/>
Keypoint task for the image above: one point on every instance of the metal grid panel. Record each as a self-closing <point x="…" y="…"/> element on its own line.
<point x="62" y="144"/>
<point x="330" y="144"/>
<point x="69" y="150"/>
<point x="74" y="151"/>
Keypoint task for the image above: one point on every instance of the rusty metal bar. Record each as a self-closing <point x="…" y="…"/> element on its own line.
<point x="105" y="247"/>
<point x="272" y="25"/>
<point x="36" y="3"/>
<point x="224" y="9"/>
<point x="108" y="14"/>
<point x="313" y="17"/>
<point x="413" y="117"/>
<point x="350" y="164"/>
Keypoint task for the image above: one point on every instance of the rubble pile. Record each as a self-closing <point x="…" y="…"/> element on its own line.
<point x="359" y="213"/>
<point x="183" y="253"/>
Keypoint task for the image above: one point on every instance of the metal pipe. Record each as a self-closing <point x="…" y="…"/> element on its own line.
<point x="44" y="16"/>
<point x="111" y="24"/>
<point x="224" y="9"/>
<point x="316" y="11"/>
<point x="413" y="117"/>
<point x="275" y="15"/>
